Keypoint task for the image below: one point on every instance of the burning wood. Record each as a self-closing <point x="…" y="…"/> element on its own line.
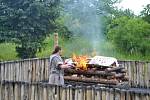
<point x="96" y="70"/>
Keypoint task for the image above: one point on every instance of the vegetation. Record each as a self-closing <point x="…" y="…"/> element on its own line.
<point x="26" y="27"/>
<point x="27" y="23"/>
<point x="130" y="35"/>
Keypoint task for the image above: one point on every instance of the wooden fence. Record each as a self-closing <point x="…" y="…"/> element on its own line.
<point x="42" y="91"/>
<point x="35" y="70"/>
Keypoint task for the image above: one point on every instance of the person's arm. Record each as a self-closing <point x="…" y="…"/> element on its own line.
<point x="65" y="66"/>
<point x="60" y="64"/>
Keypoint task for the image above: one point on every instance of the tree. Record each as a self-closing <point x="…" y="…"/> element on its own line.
<point x="131" y="35"/>
<point x="27" y="23"/>
<point x="146" y="13"/>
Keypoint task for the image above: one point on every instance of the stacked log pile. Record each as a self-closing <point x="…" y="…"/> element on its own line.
<point x="97" y="74"/>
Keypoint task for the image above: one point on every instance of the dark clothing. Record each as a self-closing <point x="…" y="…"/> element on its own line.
<point x="56" y="73"/>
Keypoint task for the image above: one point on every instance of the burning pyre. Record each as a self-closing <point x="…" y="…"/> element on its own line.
<point x="99" y="69"/>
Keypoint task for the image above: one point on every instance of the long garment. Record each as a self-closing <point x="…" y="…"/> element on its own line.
<point x="56" y="75"/>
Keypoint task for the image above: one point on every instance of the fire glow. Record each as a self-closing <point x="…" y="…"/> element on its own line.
<point x="80" y="61"/>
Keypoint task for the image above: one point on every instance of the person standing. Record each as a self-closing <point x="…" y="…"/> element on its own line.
<point x="56" y="67"/>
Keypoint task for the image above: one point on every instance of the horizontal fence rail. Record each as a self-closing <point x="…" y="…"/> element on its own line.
<point x="42" y="91"/>
<point x="35" y="70"/>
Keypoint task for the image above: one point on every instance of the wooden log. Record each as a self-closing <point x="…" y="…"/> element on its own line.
<point x="148" y="81"/>
<point x="6" y="91"/>
<point x="98" y="73"/>
<point x="17" y="91"/>
<point x="2" y="71"/>
<point x="122" y="94"/>
<point x="69" y="93"/>
<point x="11" y="72"/>
<point x="51" y="92"/>
<point x="103" y="93"/>
<point x="45" y="93"/>
<point x="2" y="92"/>
<point x="111" y="91"/>
<point x="89" y="93"/>
<point x="32" y="92"/>
<point x="64" y="93"/>
<point x="114" y="69"/>
<point x="107" y="94"/>
<point x="46" y="64"/>
<point x="36" y="92"/>
<point x="79" y="95"/>
<point x="91" y="80"/>
<point x="128" y="95"/>
<point x="98" y="94"/>
<point x="55" y="39"/>
<point x="117" y="94"/>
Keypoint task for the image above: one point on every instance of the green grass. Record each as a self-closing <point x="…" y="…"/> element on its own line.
<point x="7" y="51"/>
<point x="78" y="46"/>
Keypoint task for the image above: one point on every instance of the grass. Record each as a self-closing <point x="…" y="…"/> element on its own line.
<point x="78" y="46"/>
<point x="7" y="51"/>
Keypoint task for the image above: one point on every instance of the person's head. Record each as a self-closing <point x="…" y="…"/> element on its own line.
<point x="57" y="50"/>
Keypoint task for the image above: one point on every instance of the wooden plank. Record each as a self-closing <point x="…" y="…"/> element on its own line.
<point x="0" y="91"/>
<point x="117" y="94"/>
<point x="97" y="94"/>
<point x="11" y="91"/>
<point x="16" y="91"/>
<point x="64" y="93"/>
<point x="36" y="92"/>
<point x="8" y="71"/>
<point x="5" y="71"/>
<point x="137" y="97"/>
<point x="32" y="92"/>
<point x="26" y="91"/>
<point x="141" y="74"/>
<point x="68" y="93"/>
<point x="130" y="73"/>
<point x="37" y="70"/>
<point x="17" y="71"/>
<point x="6" y="91"/>
<point x="14" y="71"/>
<point x="2" y="71"/>
<point x="45" y="93"/>
<point x="2" y="95"/>
<point x="103" y="93"/>
<point x="30" y="70"/>
<point x="46" y="64"/>
<point x="11" y="72"/>
<point x="128" y="97"/>
<point x="34" y="70"/>
<point x="80" y="94"/>
<point x="89" y="93"/>
<point x="51" y="92"/>
<point x="111" y="91"/>
<point x="138" y="74"/>
<point x="107" y="94"/>
<point x="122" y="96"/>
<point x="148" y="75"/>
<point x="22" y="92"/>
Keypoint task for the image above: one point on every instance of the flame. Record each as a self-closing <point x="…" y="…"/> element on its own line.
<point x="80" y="61"/>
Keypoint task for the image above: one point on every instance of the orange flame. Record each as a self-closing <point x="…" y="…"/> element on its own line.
<point x="80" y="61"/>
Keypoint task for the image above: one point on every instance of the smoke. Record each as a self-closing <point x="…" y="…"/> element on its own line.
<point x="84" y="19"/>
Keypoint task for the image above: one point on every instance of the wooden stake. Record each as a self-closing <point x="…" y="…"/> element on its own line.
<point x="55" y="39"/>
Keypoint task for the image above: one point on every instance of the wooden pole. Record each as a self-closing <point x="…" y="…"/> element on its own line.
<point x="55" y="39"/>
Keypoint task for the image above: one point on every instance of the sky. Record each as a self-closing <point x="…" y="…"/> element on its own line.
<point x="134" y="5"/>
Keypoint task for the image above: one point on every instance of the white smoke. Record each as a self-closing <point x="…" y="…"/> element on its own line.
<point x="84" y="20"/>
